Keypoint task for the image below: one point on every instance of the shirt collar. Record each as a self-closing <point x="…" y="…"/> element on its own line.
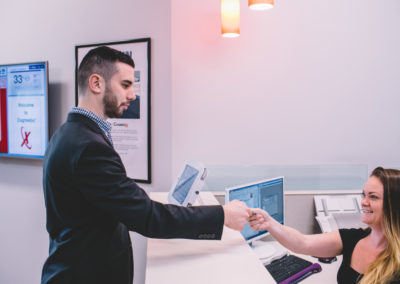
<point x="105" y="126"/>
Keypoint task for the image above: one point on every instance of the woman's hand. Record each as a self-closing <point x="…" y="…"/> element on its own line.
<point x="259" y="220"/>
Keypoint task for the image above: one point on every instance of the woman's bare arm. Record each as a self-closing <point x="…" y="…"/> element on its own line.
<point x="321" y="245"/>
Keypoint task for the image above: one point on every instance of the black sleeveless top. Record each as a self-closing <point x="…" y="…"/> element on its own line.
<point x="350" y="237"/>
<point x="346" y="274"/>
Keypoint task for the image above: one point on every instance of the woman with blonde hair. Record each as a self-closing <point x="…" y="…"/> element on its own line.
<point x="370" y="256"/>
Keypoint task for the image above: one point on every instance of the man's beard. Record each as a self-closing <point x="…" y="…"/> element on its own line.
<point x="111" y="107"/>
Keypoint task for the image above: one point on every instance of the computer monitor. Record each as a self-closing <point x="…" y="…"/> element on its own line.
<point x="266" y="194"/>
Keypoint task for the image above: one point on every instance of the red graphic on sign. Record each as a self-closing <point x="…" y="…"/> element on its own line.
<point x="25" y="136"/>
<point x="3" y="121"/>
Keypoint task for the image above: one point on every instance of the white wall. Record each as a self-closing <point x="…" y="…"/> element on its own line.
<point x="49" y="30"/>
<point x="308" y="82"/>
<point x="23" y="236"/>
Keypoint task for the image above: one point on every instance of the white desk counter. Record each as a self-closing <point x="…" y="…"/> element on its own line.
<point x="231" y="260"/>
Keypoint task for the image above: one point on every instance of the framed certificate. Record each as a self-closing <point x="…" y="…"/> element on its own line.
<point x="131" y="132"/>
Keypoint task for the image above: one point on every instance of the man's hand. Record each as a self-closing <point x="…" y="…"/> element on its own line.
<point x="236" y="215"/>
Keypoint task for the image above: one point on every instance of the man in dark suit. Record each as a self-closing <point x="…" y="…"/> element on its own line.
<point x="91" y="203"/>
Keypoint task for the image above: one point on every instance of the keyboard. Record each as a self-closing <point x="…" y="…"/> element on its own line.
<point x="291" y="269"/>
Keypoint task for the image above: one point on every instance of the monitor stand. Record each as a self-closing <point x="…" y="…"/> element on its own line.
<point x="263" y="250"/>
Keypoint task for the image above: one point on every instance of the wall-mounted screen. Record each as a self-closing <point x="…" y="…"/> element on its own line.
<point x="23" y="110"/>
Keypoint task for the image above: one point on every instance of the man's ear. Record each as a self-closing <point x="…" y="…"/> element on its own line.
<point x="96" y="84"/>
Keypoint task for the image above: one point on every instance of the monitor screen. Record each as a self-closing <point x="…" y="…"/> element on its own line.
<point x="184" y="184"/>
<point x="23" y="110"/>
<point x="265" y="194"/>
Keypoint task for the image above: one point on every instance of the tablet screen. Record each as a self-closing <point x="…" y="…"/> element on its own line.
<point x="184" y="184"/>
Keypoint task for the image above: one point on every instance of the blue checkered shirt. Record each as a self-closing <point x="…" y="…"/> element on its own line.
<point x="105" y="126"/>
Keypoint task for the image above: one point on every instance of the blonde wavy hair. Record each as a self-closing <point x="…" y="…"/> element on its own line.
<point x="386" y="267"/>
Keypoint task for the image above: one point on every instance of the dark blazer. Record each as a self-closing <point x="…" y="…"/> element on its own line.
<point x="91" y="204"/>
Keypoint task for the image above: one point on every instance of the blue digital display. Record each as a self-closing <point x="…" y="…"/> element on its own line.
<point x="267" y="195"/>
<point x="23" y="110"/>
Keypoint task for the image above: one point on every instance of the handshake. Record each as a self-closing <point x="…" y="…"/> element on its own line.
<point x="237" y="214"/>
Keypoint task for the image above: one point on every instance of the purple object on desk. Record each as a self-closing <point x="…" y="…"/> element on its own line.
<point x="314" y="268"/>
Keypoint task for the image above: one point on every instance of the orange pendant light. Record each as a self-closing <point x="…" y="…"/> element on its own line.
<point x="261" y="4"/>
<point x="230" y="18"/>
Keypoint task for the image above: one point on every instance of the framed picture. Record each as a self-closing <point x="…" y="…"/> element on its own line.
<point x="130" y="132"/>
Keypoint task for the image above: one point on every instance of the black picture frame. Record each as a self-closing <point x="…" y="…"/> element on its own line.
<point x="134" y="127"/>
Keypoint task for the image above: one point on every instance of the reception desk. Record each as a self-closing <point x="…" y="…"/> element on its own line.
<point x="229" y="260"/>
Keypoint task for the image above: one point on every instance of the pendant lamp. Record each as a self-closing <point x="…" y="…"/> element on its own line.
<point x="230" y="18"/>
<point x="261" y="4"/>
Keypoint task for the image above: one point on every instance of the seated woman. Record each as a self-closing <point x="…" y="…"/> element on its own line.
<point x="369" y="256"/>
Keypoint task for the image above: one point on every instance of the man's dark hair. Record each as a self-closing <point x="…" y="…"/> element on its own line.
<point x="101" y="60"/>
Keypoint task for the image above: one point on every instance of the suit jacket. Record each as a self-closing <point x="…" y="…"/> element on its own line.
<point x="91" y="204"/>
